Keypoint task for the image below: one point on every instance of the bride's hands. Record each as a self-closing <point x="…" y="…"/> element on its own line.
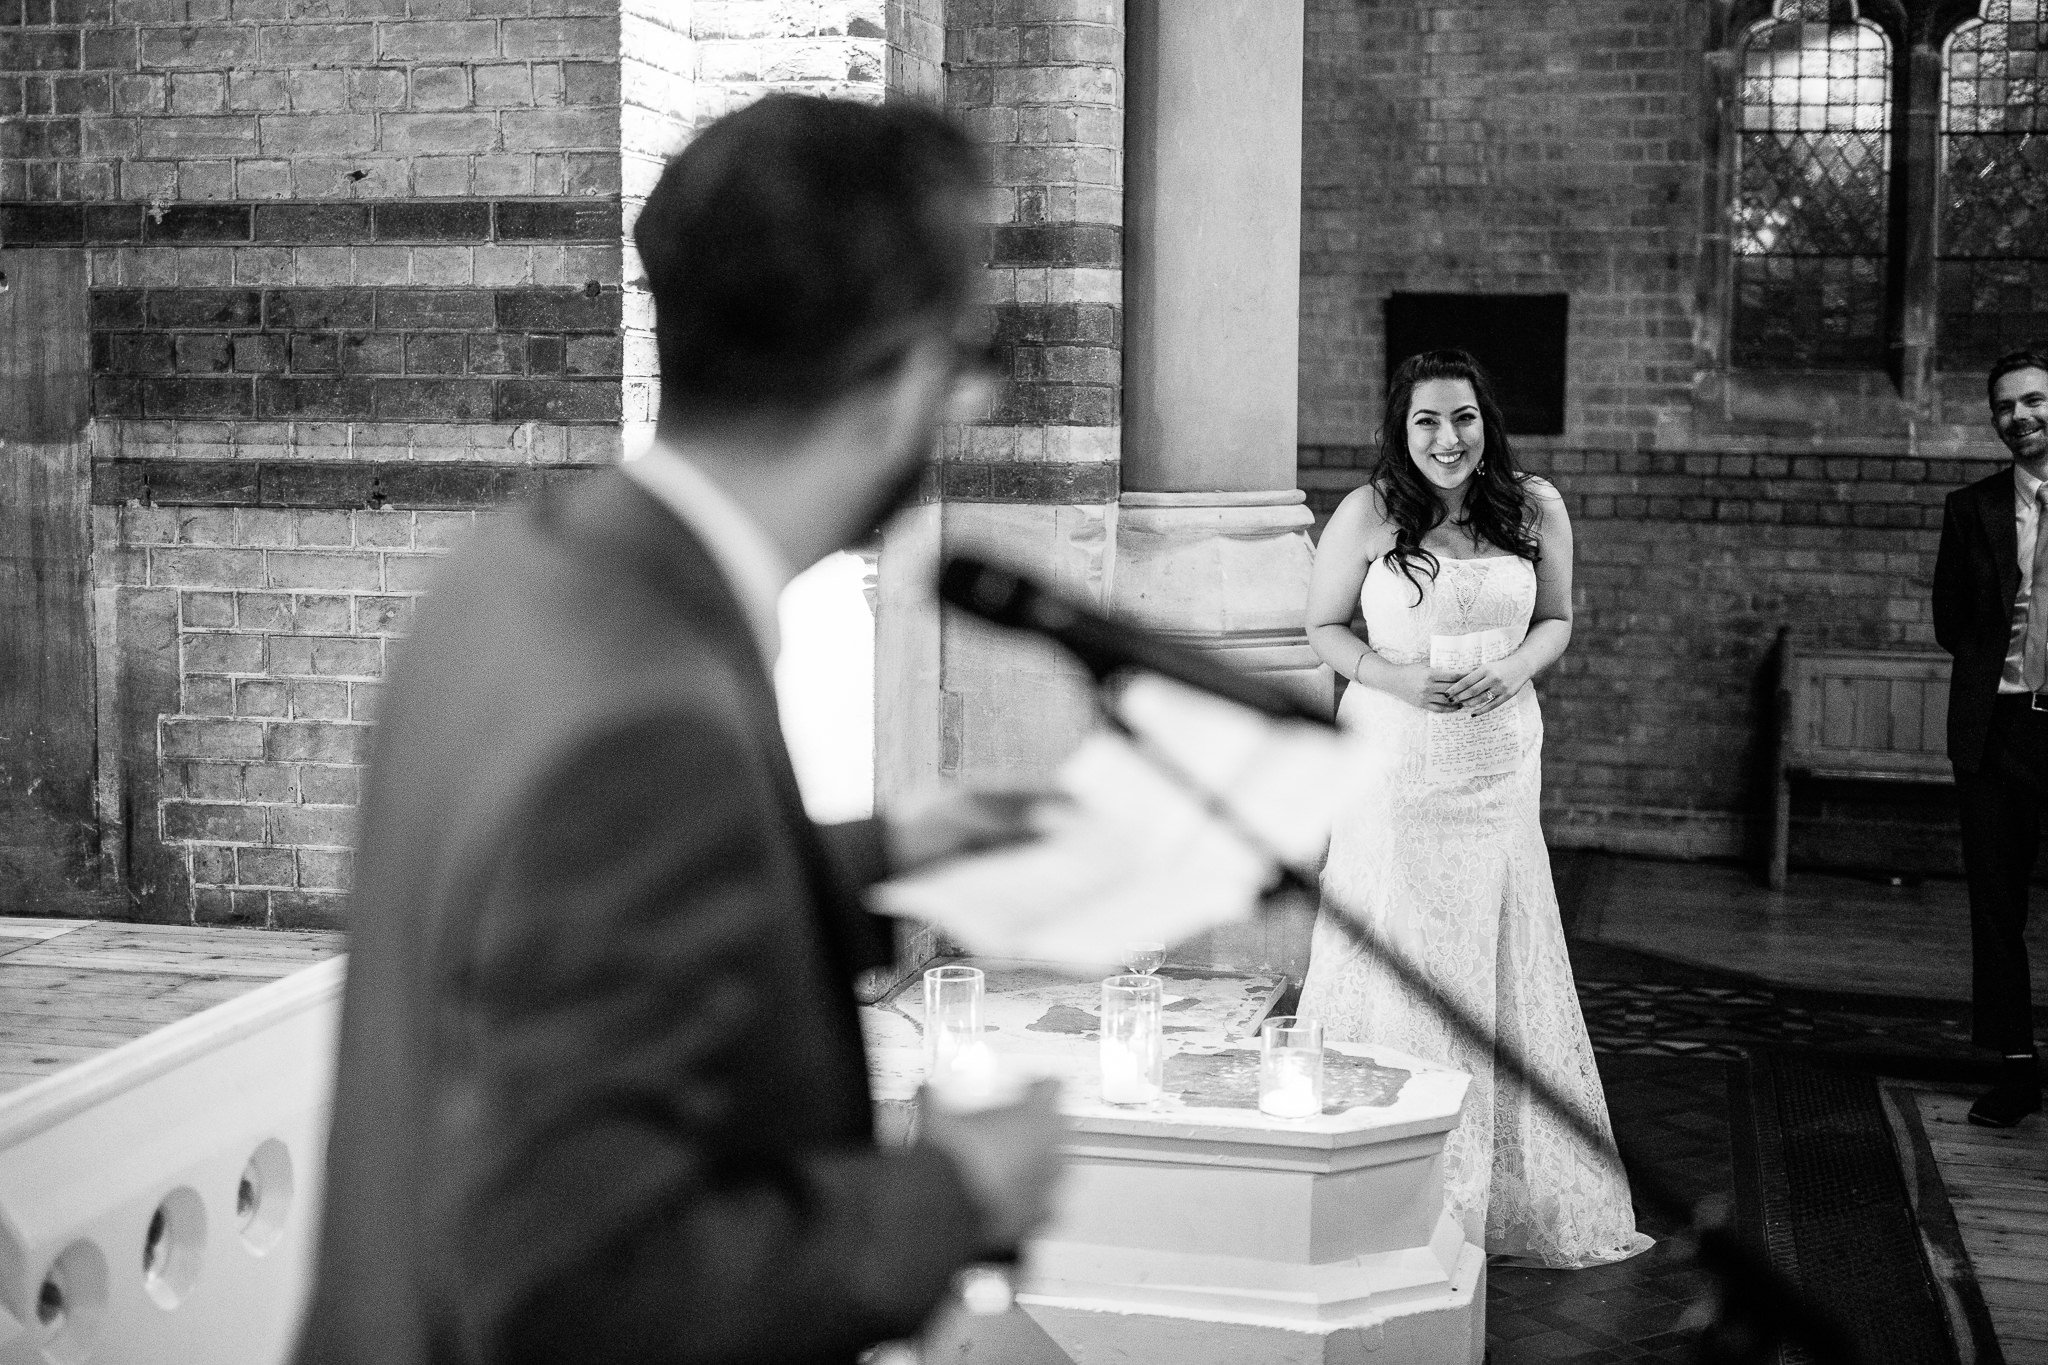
<point x="1487" y="686"/>
<point x="1424" y="687"/>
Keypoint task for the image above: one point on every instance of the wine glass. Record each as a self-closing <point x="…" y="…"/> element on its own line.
<point x="1144" y="956"/>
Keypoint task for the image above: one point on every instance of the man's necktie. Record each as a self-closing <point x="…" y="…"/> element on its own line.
<point x="2034" y="645"/>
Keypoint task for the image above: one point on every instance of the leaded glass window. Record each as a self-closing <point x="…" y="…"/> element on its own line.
<point x="1992" y="271"/>
<point x="1812" y="192"/>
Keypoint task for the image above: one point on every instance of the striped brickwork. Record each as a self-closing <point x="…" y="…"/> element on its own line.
<point x="1040" y="82"/>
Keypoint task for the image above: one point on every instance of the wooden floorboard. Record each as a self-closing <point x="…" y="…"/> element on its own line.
<point x="2016" y="1197"/>
<point x="34" y="927"/>
<point x="1822" y="932"/>
<point x="1997" y="1182"/>
<point x="70" y="990"/>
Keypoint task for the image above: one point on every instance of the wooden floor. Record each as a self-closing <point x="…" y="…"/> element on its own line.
<point x="73" y="988"/>
<point x="1821" y="932"/>
<point x="1997" y="1184"/>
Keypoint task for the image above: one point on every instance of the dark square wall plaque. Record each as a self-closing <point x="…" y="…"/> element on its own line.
<point x="1518" y="339"/>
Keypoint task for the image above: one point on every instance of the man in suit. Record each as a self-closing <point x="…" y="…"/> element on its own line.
<point x="602" y="1093"/>
<point x="1992" y="564"/>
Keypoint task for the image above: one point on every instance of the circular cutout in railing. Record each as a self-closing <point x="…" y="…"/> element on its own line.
<point x="174" y="1247"/>
<point x="263" y="1198"/>
<point x="71" y="1304"/>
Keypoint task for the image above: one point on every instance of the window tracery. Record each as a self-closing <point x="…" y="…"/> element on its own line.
<point x="1812" y="192"/>
<point x="1992" y="254"/>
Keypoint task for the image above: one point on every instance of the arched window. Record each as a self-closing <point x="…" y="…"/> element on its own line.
<point x="1992" y="271"/>
<point x="1812" y="194"/>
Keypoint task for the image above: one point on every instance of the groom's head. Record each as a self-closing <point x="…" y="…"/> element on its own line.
<point x="799" y="248"/>
<point x="816" y="268"/>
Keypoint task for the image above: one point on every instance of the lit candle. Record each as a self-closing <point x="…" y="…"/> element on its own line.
<point x="1290" y="1068"/>
<point x="1290" y="1092"/>
<point x="967" y="1078"/>
<point x="952" y="1016"/>
<point x="1132" y="1048"/>
<point x="1126" y="1078"/>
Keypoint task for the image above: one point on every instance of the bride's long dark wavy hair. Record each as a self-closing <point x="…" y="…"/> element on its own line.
<point x="1498" y="509"/>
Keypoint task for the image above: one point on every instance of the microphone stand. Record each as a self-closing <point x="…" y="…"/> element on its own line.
<point x="1758" y="1307"/>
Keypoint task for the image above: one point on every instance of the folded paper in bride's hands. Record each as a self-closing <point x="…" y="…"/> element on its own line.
<point x="1462" y="743"/>
<point x="1138" y="854"/>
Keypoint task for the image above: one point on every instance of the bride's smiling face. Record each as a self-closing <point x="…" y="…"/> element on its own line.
<point x="1446" y="438"/>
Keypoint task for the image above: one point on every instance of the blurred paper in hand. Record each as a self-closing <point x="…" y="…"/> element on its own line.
<point x="1137" y="856"/>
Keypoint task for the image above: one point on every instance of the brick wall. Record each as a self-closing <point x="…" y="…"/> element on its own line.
<point x="358" y="274"/>
<point x="917" y="48"/>
<point x="281" y="622"/>
<point x="1040" y="85"/>
<point x="1492" y="146"/>
<point x="682" y="66"/>
<point x="355" y="274"/>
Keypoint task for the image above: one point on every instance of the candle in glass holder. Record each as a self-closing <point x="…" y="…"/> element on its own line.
<point x="1133" y="1048"/>
<point x="952" y="1025"/>
<point x="1291" y="1067"/>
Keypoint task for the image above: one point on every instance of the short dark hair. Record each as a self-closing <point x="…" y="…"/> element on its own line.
<point x="795" y="248"/>
<point x="2027" y="359"/>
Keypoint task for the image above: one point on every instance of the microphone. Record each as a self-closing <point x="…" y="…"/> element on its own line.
<point x="1105" y="644"/>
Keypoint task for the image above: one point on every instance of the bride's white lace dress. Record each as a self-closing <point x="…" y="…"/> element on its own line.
<point x="1456" y="873"/>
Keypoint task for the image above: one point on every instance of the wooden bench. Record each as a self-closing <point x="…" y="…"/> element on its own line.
<point x="1870" y="715"/>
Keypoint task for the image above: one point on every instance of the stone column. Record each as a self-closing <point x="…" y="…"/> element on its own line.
<point x="1213" y="536"/>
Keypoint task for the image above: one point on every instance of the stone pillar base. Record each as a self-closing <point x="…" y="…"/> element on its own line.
<point x="1226" y="572"/>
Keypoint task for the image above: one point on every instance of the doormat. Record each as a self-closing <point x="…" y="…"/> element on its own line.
<point x="1818" y="1177"/>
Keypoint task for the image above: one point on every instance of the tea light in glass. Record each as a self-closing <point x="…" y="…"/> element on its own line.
<point x="1133" y="1048"/>
<point x="1291" y="1067"/>
<point x="952" y="1023"/>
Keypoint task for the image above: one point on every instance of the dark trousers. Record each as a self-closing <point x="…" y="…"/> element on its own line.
<point x="2001" y="812"/>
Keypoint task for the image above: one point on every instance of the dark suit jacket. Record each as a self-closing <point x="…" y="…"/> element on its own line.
<point x="1976" y="578"/>
<point x="602" y="1091"/>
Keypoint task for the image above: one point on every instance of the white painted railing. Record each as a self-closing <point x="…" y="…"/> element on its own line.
<point x="158" y="1202"/>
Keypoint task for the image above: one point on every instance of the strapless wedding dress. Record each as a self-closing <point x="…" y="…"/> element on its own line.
<point x="1454" y="871"/>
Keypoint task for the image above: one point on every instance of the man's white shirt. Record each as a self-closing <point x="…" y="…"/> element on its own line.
<point x="2026" y="507"/>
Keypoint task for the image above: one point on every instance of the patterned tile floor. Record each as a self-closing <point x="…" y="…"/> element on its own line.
<point x="1665" y="1033"/>
<point x="1671" y="1113"/>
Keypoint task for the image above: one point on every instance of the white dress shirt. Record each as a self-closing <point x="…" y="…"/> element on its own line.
<point x="2025" y="491"/>
<point x="754" y="566"/>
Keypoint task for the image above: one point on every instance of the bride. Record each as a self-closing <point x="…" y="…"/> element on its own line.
<point x="1462" y="568"/>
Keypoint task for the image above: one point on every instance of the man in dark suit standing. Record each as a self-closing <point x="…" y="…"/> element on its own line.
<point x="1991" y="614"/>
<point x="602" y="1092"/>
